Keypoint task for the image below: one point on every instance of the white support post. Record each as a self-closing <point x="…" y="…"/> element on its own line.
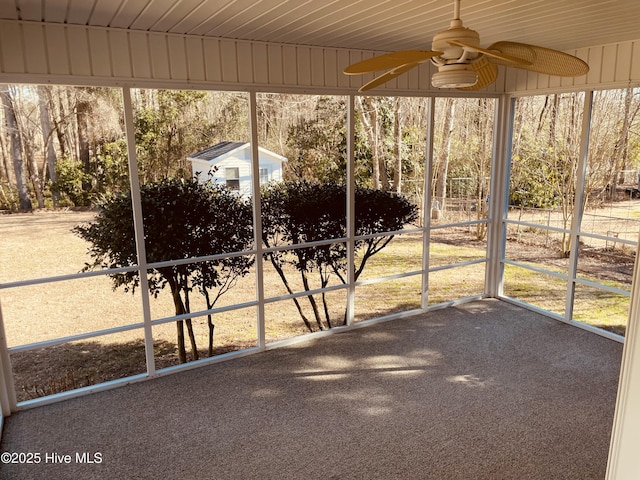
<point x="578" y="202"/>
<point x="499" y="196"/>
<point x="624" y="462"/>
<point x="257" y="219"/>
<point x="8" y="399"/>
<point x="138" y="225"/>
<point x="426" y="203"/>
<point x="351" y="211"/>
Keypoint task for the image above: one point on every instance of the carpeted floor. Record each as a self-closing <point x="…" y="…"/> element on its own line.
<point x="485" y="390"/>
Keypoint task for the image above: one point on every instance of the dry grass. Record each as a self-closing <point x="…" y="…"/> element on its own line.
<point x="41" y="245"/>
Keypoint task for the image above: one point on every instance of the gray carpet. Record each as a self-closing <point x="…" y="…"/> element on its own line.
<point x="485" y="390"/>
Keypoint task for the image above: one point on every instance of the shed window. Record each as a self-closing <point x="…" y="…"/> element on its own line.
<point x="232" y="177"/>
<point x="264" y="176"/>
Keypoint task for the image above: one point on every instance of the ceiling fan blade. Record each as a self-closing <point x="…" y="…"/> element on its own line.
<point x="547" y="61"/>
<point x="390" y="75"/>
<point x="390" y="60"/>
<point x="501" y="58"/>
<point x="487" y="74"/>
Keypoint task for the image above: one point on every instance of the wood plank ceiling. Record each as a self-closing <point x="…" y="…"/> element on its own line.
<point x="383" y="25"/>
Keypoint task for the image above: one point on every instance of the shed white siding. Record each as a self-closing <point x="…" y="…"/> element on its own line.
<point x="216" y="170"/>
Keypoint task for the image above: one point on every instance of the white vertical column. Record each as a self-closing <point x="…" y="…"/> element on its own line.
<point x="499" y="196"/>
<point x="578" y="202"/>
<point x="257" y="218"/>
<point x="8" y="399"/>
<point x="426" y="203"/>
<point x="351" y="210"/>
<point x="624" y="462"/>
<point x="138" y="225"/>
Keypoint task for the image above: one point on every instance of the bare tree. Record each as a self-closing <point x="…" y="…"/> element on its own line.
<point x="397" y="134"/>
<point x="442" y="161"/>
<point x="16" y="148"/>
<point x="44" y="102"/>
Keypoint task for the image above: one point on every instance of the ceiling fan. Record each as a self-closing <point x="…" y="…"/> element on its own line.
<point x="462" y="63"/>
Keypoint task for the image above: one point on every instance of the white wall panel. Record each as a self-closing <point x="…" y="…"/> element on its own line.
<point x="58" y="56"/>
<point x="229" y="61"/>
<point x="595" y="66"/>
<point x="317" y="77"/>
<point x="11" y="48"/>
<point x="583" y="54"/>
<point x="510" y="79"/>
<point x="260" y="64"/>
<point x="140" y="59"/>
<point x="35" y="55"/>
<point x="79" y="53"/>
<point x="159" y="55"/>
<point x="212" y="61"/>
<point x="342" y="58"/>
<point x="635" y="61"/>
<point x="532" y="81"/>
<point x="623" y="62"/>
<point x="100" y="53"/>
<point x="289" y="62"/>
<point x="413" y="79"/>
<point x="303" y="62"/>
<point x="37" y="52"/>
<point x="274" y="57"/>
<point x="244" y="61"/>
<point x="425" y="72"/>
<point x="121" y="61"/>
<point x="331" y="69"/>
<point x="554" y="82"/>
<point x="609" y="59"/>
<point x="195" y="59"/>
<point x="177" y="57"/>
<point x="544" y="81"/>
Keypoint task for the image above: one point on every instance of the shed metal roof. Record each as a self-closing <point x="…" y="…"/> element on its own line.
<point x="216" y="151"/>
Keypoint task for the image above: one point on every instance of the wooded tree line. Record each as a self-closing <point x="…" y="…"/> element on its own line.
<point x="62" y="146"/>
<point x="546" y="149"/>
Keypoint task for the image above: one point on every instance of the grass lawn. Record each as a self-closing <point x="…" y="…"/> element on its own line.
<point x="41" y="245"/>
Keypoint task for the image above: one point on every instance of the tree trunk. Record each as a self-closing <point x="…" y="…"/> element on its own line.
<point x="397" y="133"/>
<point x="16" y="149"/>
<point x="192" y="339"/>
<point x="180" y="309"/>
<point x="60" y="119"/>
<point x="312" y="301"/>
<point x="445" y="147"/>
<point x="182" y="351"/>
<point x="44" y="95"/>
<point x="370" y="120"/>
<point x="5" y="165"/>
<point x="187" y="309"/>
<point x="211" y="329"/>
<point x="290" y="291"/>
<point x="83" y="110"/>
<point x="34" y="173"/>
<point x="621" y="147"/>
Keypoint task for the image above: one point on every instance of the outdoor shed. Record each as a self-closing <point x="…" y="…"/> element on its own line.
<point x="229" y="163"/>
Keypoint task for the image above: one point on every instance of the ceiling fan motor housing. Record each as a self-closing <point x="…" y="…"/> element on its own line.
<point x="452" y="64"/>
<point x="454" y="53"/>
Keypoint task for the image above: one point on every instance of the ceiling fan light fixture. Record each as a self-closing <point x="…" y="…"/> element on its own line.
<point x="454" y="76"/>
